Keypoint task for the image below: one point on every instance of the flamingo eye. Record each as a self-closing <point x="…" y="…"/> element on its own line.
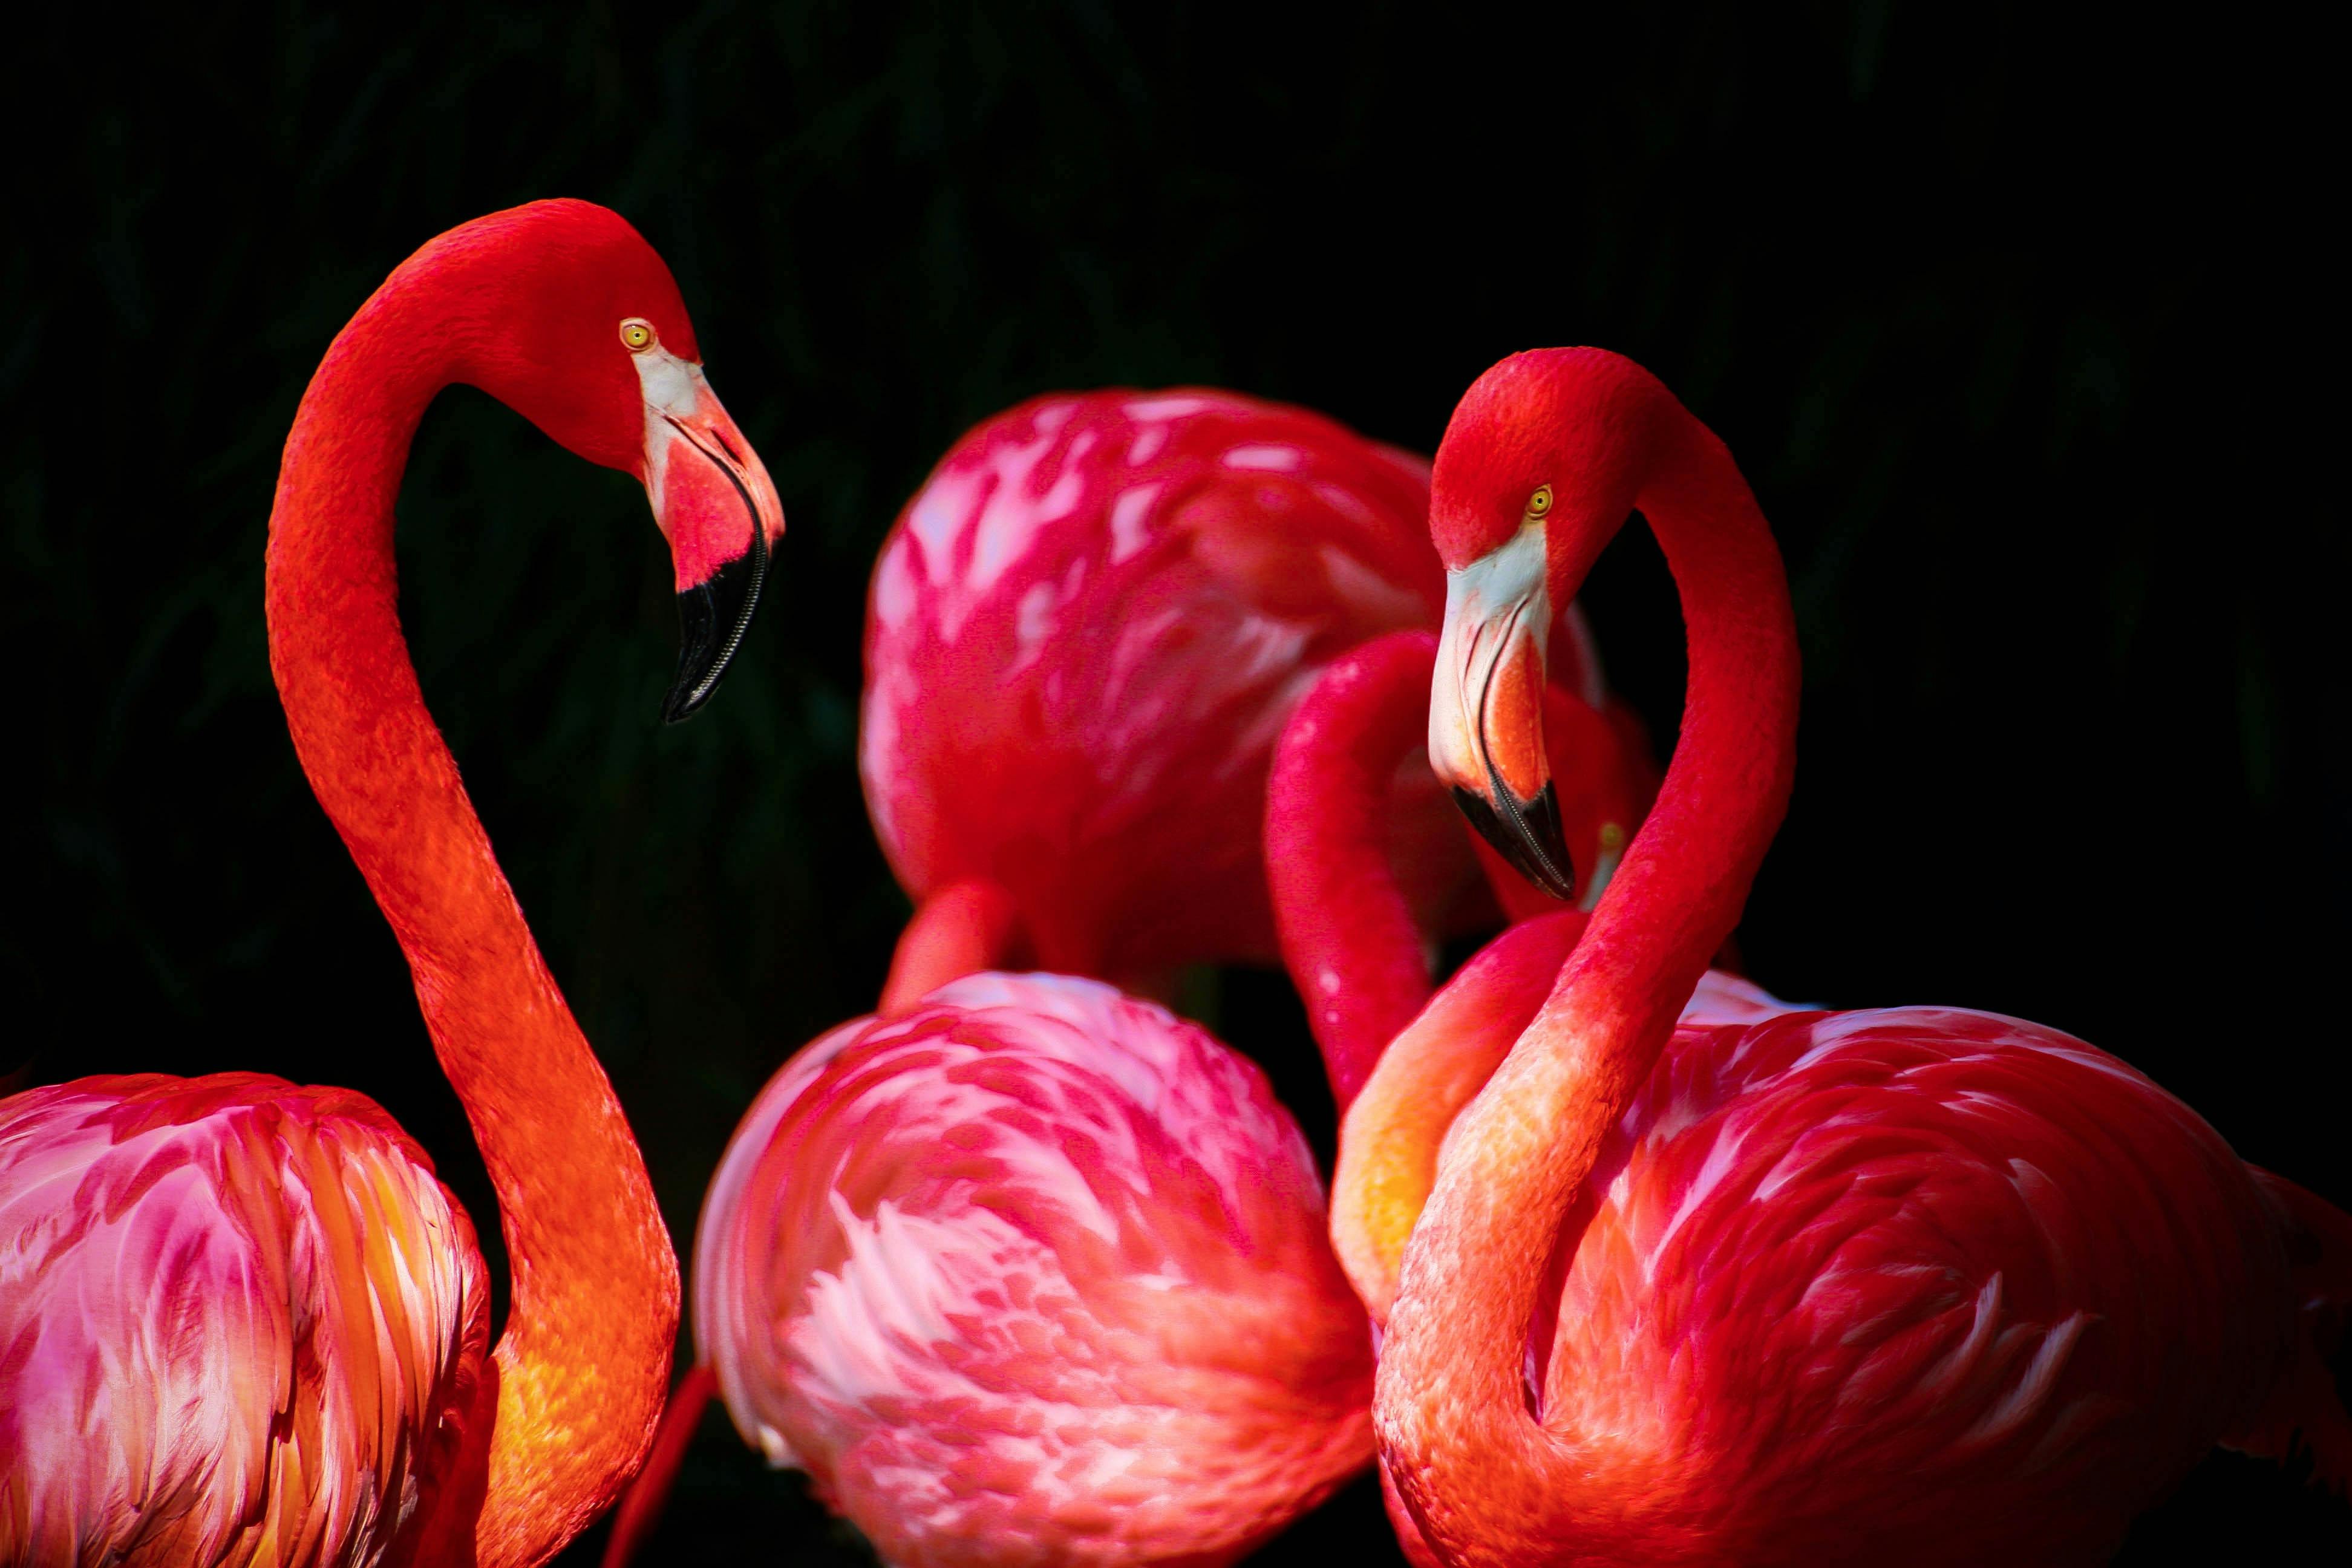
<point x="1540" y="502"/>
<point x="637" y="334"/>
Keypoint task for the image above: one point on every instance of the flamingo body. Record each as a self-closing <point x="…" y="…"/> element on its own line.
<point x="1082" y="637"/>
<point x="240" y="1323"/>
<point x="1876" y="1287"/>
<point x="1917" y="1284"/>
<point x="1035" y="1273"/>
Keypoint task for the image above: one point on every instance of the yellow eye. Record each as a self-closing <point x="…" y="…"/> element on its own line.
<point x="636" y="335"/>
<point x="1540" y="502"/>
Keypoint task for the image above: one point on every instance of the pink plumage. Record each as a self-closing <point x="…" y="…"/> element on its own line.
<point x="239" y="1320"/>
<point x="1084" y="636"/>
<point x="1033" y="1274"/>
<point x="1829" y="1248"/>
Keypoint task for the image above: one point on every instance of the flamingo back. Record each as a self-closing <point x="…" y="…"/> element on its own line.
<point x="1923" y="1282"/>
<point x="1084" y="636"/>
<point x="240" y="1321"/>
<point x="1033" y="1274"/>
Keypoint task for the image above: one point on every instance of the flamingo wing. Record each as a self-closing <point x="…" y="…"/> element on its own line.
<point x="1034" y="1274"/>
<point x="239" y="1323"/>
<point x="1895" y="1279"/>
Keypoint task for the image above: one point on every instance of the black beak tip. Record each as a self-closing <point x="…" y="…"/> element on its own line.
<point x="683" y="700"/>
<point x="712" y="617"/>
<point x="1527" y="835"/>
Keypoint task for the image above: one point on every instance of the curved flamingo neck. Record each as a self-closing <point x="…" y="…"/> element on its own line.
<point x="1346" y="931"/>
<point x="578" y="1371"/>
<point x="1450" y="1405"/>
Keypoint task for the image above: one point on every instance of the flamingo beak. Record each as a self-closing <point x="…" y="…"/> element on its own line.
<point x="714" y="502"/>
<point x="1485" y="709"/>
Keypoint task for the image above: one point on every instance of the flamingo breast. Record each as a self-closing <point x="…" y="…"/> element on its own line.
<point x="1884" y="1284"/>
<point x="239" y="1320"/>
<point x="1035" y="1273"/>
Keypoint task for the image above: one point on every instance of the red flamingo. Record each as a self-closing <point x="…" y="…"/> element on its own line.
<point x="240" y="1321"/>
<point x="1084" y="635"/>
<point x="1033" y="1273"/>
<point x="1357" y="958"/>
<point x="1916" y="1285"/>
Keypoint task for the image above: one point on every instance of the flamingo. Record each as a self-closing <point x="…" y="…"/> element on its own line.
<point x="1918" y="1285"/>
<point x="1033" y="1273"/>
<point x="1084" y="634"/>
<point x="240" y="1321"/>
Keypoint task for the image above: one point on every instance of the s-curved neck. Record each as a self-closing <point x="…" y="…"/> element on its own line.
<point x="579" y="1372"/>
<point x="1346" y="931"/>
<point x="1451" y="1407"/>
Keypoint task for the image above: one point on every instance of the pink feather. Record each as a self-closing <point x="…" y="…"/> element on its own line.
<point x="1035" y="1273"/>
<point x="238" y="1320"/>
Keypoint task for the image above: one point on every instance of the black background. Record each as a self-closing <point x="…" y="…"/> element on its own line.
<point x="2023" y="330"/>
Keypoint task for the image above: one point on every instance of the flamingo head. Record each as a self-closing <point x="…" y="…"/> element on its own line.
<point x="577" y="324"/>
<point x="1535" y="474"/>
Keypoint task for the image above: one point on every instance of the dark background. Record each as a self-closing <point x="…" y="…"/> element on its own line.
<point x="2018" y="326"/>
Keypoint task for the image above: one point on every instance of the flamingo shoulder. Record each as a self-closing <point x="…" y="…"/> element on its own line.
<point x="239" y="1322"/>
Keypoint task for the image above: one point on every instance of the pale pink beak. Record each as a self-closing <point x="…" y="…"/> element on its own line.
<point x="1485" y="709"/>
<point x="714" y="502"/>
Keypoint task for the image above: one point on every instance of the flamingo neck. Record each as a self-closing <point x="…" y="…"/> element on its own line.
<point x="1346" y="931"/>
<point x="579" y="1372"/>
<point x="1452" y="1408"/>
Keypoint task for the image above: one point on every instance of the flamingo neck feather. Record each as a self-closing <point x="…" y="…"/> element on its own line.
<point x="579" y="1372"/>
<point x="1491" y="1482"/>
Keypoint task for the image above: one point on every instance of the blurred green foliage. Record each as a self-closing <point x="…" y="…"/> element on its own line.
<point x="2019" y="325"/>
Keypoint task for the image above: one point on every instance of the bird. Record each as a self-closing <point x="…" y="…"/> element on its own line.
<point x="1084" y="633"/>
<point x="1034" y="1272"/>
<point x="1361" y="967"/>
<point x="1916" y="1284"/>
<point x="241" y="1322"/>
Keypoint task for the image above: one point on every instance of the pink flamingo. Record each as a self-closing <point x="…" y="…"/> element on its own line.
<point x="1033" y="1273"/>
<point x="1914" y="1285"/>
<point x="1084" y="635"/>
<point x="240" y="1321"/>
